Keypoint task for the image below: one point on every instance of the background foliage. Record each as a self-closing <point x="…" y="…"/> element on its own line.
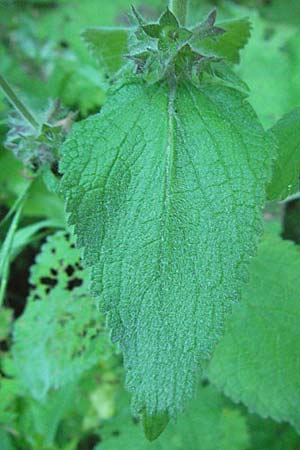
<point x="61" y="380"/>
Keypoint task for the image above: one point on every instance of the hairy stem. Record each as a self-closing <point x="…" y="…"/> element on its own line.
<point x="180" y="9"/>
<point x="17" y="103"/>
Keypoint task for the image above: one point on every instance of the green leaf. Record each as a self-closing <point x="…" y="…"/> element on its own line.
<point x="225" y="73"/>
<point x="6" y="249"/>
<point x="57" y="62"/>
<point x="108" y="45"/>
<point x="257" y="362"/>
<point x="269" y="435"/>
<point x="271" y="66"/>
<point x="152" y="29"/>
<point x="229" y="44"/>
<point x="165" y="190"/>
<point x="211" y="423"/>
<point x="40" y="420"/>
<point x="168" y="19"/>
<point x="9" y="390"/>
<point x="40" y="203"/>
<point x="285" y="12"/>
<point x="285" y="180"/>
<point x="58" y="337"/>
<point x="154" y="425"/>
<point x="26" y="235"/>
<point x="6" y="441"/>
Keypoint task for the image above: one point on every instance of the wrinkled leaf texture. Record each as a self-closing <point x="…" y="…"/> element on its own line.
<point x="164" y="188"/>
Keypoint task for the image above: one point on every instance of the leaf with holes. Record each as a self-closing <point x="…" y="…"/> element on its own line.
<point x="164" y="188"/>
<point x="60" y="335"/>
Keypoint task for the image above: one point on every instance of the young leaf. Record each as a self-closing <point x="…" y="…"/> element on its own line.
<point x="164" y="188"/>
<point x="108" y="45"/>
<point x="257" y="362"/>
<point x="228" y="44"/>
<point x="168" y="19"/>
<point x="285" y="179"/>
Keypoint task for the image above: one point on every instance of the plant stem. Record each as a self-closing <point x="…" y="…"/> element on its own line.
<point x="17" y="103"/>
<point x="180" y="9"/>
<point x="16" y="204"/>
<point x="5" y="253"/>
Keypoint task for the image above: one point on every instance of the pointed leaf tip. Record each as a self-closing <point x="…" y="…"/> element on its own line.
<point x="212" y="17"/>
<point x="152" y="29"/>
<point x="169" y="19"/>
<point x="137" y="15"/>
<point x="154" y="425"/>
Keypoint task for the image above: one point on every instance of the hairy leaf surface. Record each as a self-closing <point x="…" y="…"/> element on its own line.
<point x="285" y="179"/>
<point x="257" y="361"/>
<point x="165" y="188"/>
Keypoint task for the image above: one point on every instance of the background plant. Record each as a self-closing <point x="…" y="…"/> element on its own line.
<point x="49" y="402"/>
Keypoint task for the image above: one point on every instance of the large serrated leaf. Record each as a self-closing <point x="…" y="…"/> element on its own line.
<point x="165" y="190"/>
<point x="257" y="361"/>
<point x="285" y="179"/>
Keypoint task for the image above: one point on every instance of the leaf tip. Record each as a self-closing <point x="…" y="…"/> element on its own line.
<point x="154" y="425"/>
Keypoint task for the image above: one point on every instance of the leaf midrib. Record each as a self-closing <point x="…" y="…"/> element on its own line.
<point x="168" y="165"/>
